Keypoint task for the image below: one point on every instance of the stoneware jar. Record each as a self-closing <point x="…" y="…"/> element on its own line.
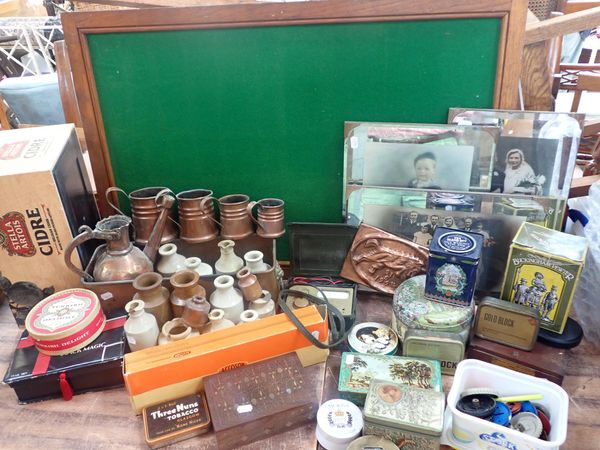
<point x="227" y="298"/>
<point x="175" y="330"/>
<point x="197" y="265"/>
<point x="217" y="321"/>
<point x="154" y="295"/>
<point x="248" y="316"/>
<point x="264" y="306"/>
<point x="195" y="312"/>
<point x="249" y="285"/>
<point x="170" y="261"/>
<point x="141" y="328"/>
<point x="185" y="286"/>
<point x="228" y="262"/>
<point x="254" y="261"/>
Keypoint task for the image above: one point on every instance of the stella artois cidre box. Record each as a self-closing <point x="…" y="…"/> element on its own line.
<point x="45" y="196"/>
<point x="542" y="272"/>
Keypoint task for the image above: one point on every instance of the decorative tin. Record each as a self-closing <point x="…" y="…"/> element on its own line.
<point x="357" y="371"/>
<point x="452" y="269"/>
<point x="338" y="423"/>
<point x="175" y="420"/>
<point x="413" y="311"/>
<point x="542" y="272"/>
<point x="447" y="348"/>
<point x="373" y="338"/>
<point x="507" y="323"/>
<point x="65" y="322"/>
<point x="372" y="443"/>
<point x="258" y="400"/>
<point x="407" y="415"/>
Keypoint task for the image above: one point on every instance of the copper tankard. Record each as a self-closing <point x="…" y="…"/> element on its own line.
<point x="269" y="218"/>
<point x="234" y="220"/>
<point x="145" y="208"/>
<point x="197" y="216"/>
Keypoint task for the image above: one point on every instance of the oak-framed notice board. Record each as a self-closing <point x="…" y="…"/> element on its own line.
<point x="252" y="98"/>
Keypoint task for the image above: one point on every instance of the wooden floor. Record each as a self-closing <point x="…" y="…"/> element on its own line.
<point x="105" y="420"/>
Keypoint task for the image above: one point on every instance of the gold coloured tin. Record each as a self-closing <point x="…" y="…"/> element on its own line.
<point x="447" y="348"/>
<point x="507" y="323"/>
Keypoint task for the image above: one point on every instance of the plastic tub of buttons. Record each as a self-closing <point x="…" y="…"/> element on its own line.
<point x="546" y="416"/>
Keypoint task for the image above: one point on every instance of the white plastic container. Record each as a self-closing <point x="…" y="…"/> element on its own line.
<point x="469" y="432"/>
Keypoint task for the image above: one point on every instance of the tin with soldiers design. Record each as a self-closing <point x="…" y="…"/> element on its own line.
<point x="452" y="270"/>
<point x="542" y="273"/>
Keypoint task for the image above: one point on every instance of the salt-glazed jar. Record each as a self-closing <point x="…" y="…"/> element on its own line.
<point x="264" y="305"/>
<point x="217" y="321"/>
<point x="176" y="330"/>
<point x="170" y="261"/>
<point x="195" y="312"/>
<point x="228" y="262"/>
<point x="194" y="263"/>
<point x="254" y="261"/>
<point x="248" y="315"/>
<point x="185" y="286"/>
<point x="154" y="295"/>
<point x="140" y="328"/>
<point x="227" y="298"/>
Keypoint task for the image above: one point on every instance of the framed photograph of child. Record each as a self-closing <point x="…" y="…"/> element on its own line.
<point x="442" y="167"/>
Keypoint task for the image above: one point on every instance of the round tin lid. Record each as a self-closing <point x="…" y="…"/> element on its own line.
<point x="415" y="311"/>
<point x="339" y="422"/>
<point x="373" y="338"/>
<point x="372" y="443"/>
<point x="62" y="313"/>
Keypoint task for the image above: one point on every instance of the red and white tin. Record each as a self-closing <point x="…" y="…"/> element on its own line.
<point x="65" y="322"/>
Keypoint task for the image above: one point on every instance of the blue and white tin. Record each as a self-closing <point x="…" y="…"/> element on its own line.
<point x="452" y="270"/>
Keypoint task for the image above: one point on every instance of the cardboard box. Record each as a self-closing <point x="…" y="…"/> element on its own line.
<point x="542" y="272"/>
<point x="158" y="374"/>
<point x="36" y="377"/>
<point x="46" y="197"/>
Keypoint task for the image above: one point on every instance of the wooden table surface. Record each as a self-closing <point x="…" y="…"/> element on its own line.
<point x="105" y="419"/>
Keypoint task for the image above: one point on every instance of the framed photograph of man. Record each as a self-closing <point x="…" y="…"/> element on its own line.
<point x="418" y="166"/>
<point x="527" y="165"/>
<point x="418" y="226"/>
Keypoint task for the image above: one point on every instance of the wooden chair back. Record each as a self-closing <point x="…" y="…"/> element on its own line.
<point x="586" y="81"/>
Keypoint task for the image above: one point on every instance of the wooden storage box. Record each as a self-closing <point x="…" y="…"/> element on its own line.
<point x="260" y="400"/>
<point x="542" y="361"/>
<point x="46" y="197"/>
<point x="170" y="371"/>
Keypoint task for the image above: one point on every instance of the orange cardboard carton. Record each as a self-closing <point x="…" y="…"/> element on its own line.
<point x="158" y="374"/>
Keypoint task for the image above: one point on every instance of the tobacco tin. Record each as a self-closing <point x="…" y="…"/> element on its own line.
<point x="404" y="412"/>
<point x="507" y="323"/>
<point x="175" y="420"/>
<point x="65" y="322"/>
<point x="373" y="338"/>
<point x="452" y="270"/>
<point x="413" y="311"/>
<point x="357" y="371"/>
<point x="447" y="348"/>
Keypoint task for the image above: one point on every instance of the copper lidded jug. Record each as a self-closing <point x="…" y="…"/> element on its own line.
<point x="145" y="208"/>
<point x="197" y="216"/>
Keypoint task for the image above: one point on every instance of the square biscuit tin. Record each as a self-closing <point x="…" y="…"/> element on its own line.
<point x="452" y="270"/>
<point x="407" y="415"/>
<point x="507" y="323"/>
<point x="358" y="369"/>
<point x="542" y="273"/>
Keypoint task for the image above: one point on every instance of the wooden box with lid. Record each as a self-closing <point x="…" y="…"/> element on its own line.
<point x="262" y="399"/>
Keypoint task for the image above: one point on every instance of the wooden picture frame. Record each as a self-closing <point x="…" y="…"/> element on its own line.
<point x="79" y="27"/>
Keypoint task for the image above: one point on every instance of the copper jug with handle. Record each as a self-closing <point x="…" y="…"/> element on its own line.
<point x="270" y="222"/>
<point x="233" y="218"/>
<point x="146" y="205"/>
<point x="197" y="216"/>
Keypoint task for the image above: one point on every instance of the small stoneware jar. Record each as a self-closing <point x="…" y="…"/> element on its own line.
<point x="185" y="286"/>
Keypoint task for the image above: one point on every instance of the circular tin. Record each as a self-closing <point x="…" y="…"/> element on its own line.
<point x="339" y="422"/>
<point x="373" y="338"/>
<point x="65" y="322"/>
<point x="413" y="311"/>
<point x="372" y="443"/>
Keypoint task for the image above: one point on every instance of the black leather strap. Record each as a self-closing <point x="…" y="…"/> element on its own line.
<point x="337" y="324"/>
